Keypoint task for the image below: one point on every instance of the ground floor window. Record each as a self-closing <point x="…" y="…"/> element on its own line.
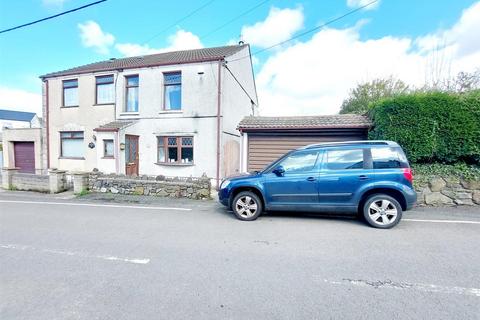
<point x="175" y="150"/>
<point x="71" y="144"/>
<point x="108" y="148"/>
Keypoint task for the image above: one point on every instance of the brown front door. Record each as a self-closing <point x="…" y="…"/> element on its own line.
<point x="24" y="153"/>
<point x="131" y="155"/>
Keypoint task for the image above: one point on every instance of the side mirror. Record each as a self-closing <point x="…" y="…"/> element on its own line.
<point x="279" y="171"/>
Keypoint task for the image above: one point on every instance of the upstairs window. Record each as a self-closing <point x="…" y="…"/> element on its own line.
<point x="175" y="150"/>
<point x="173" y="91"/>
<point x="105" y="90"/>
<point x="71" y="144"/>
<point x="70" y="93"/>
<point x="131" y="93"/>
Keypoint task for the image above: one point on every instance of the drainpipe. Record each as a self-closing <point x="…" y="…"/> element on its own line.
<point x="116" y="145"/>
<point x="219" y="98"/>
<point x="47" y="123"/>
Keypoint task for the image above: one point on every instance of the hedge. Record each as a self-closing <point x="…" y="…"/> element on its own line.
<point x="431" y="127"/>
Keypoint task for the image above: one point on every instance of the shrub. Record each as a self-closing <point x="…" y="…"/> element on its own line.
<point x="431" y="127"/>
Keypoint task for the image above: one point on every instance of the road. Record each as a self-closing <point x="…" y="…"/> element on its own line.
<point x="85" y="259"/>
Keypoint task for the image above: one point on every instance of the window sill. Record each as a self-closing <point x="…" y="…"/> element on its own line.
<point x="66" y="107"/>
<point x="106" y="157"/>
<point x="170" y="111"/>
<point x="104" y="104"/>
<point x="126" y="114"/>
<point x="72" y="158"/>
<point x="174" y="164"/>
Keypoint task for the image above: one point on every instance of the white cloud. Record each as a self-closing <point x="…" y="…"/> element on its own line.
<point x="93" y="37"/>
<point x="280" y="25"/>
<point x="313" y="77"/>
<point x="20" y="100"/>
<point x="181" y="40"/>
<point x="360" y="3"/>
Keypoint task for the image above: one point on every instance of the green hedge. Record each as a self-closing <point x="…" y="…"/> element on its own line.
<point x="431" y="127"/>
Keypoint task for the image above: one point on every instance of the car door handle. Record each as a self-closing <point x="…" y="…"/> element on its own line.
<point x="363" y="177"/>
<point x="311" y="179"/>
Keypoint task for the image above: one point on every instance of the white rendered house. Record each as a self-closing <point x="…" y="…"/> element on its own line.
<point x="172" y="114"/>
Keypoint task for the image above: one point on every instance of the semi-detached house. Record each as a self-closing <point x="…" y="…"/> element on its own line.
<point x="172" y="114"/>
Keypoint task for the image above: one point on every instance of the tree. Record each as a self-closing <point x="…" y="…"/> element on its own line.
<point x="361" y="97"/>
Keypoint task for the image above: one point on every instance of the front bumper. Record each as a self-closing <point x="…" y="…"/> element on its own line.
<point x="224" y="197"/>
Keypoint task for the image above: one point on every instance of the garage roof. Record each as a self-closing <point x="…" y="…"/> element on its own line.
<point x="339" y="121"/>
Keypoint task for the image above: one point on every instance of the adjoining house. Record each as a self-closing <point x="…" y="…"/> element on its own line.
<point x="20" y="143"/>
<point x="172" y="114"/>
<point x="265" y="139"/>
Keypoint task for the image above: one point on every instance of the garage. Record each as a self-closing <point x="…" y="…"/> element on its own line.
<point x="265" y="139"/>
<point x="24" y="153"/>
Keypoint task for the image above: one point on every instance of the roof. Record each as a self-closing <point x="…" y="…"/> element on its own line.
<point x="166" y="58"/>
<point x="17" y="115"/>
<point x="338" y="121"/>
<point x="114" y="125"/>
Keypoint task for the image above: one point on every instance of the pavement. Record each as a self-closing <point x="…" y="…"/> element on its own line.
<point x="107" y="257"/>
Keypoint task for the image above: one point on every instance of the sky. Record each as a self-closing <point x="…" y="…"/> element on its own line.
<point x="417" y="41"/>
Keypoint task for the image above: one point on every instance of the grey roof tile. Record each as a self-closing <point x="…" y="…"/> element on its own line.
<point x="305" y="122"/>
<point x="114" y="125"/>
<point x="166" y="58"/>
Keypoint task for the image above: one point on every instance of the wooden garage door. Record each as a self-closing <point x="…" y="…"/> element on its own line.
<point x="263" y="149"/>
<point x="24" y="153"/>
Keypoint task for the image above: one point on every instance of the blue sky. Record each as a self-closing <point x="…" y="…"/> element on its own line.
<point x="401" y="32"/>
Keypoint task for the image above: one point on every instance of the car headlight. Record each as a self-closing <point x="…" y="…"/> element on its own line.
<point x="224" y="184"/>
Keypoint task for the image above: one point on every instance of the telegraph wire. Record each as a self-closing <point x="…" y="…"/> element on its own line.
<point x="308" y="31"/>
<point x="234" y="19"/>
<point x="51" y="17"/>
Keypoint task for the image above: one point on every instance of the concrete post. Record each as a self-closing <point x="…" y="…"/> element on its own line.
<point x="57" y="180"/>
<point x="7" y="174"/>
<point x="80" y="182"/>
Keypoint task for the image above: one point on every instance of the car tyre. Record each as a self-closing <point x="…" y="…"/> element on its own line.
<point x="247" y="206"/>
<point x="382" y="211"/>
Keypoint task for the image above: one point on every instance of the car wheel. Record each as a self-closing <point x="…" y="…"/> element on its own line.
<point x="382" y="211"/>
<point x="247" y="206"/>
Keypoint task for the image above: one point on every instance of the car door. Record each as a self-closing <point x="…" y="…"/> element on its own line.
<point x="297" y="186"/>
<point x="343" y="172"/>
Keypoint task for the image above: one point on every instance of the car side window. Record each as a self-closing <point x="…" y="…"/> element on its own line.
<point x="300" y="162"/>
<point x="344" y="159"/>
<point x="388" y="158"/>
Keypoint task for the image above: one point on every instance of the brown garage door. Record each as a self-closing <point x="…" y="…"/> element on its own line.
<point x="263" y="149"/>
<point x="24" y="153"/>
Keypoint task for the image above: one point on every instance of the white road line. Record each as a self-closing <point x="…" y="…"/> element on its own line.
<point x="73" y="253"/>
<point x="443" y="221"/>
<point x="407" y="286"/>
<point x="95" y="205"/>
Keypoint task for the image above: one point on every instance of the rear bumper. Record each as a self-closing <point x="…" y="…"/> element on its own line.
<point x="410" y="197"/>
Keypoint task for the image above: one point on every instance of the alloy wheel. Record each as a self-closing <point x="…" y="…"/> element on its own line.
<point x="246" y="206"/>
<point x="382" y="212"/>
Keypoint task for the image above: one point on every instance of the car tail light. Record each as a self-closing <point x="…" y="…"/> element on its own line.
<point x="407" y="173"/>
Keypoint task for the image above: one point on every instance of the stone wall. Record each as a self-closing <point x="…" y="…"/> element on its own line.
<point x="161" y="186"/>
<point x="449" y="190"/>
<point x="54" y="182"/>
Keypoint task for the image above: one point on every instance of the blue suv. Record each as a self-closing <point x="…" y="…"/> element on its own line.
<point x="372" y="178"/>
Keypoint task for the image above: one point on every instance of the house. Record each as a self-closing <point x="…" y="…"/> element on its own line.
<point x="22" y="144"/>
<point x="264" y="139"/>
<point x="172" y="114"/>
<point x="18" y="119"/>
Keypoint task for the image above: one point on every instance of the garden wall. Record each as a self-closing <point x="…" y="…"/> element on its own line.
<point x="447" y="190"/>
<point x="173" y="187"/>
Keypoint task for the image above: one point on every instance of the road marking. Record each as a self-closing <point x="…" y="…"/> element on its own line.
<point x="443" y="221"/>
<point x="73" y="253"/>
<point x="95" y="205"/>
<point x="405" y="286"/>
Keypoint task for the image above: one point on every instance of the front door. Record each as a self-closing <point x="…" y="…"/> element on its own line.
<point x="297" y="187"/>
<point x="24" y="153"/>
<point x="131" y="155"/>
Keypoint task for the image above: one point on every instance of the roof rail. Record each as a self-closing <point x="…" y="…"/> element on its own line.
<point x="346" y="143"/>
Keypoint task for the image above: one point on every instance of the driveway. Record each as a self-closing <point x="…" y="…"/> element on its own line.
<point x="91" y="258"/>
